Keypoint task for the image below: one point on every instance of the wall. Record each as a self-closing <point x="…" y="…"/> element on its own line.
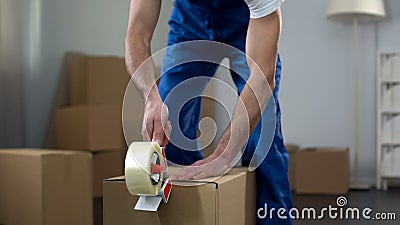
<point x="11" y="125"/>
<point x="389" y="29"/>
<point x="316" y="93"/>
<point x="58" y="26"/>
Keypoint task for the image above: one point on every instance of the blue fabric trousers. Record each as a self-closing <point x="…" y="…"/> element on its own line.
<point x="225" y="23"/>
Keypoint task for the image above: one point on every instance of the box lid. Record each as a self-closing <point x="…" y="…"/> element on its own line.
<point x="226" y="200"/>
<point x="233" y="174"/>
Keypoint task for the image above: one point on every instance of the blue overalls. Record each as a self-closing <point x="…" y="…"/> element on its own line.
<point x="224" y="21"/>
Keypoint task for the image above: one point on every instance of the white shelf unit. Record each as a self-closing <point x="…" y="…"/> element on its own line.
<point x="388" y="118"/>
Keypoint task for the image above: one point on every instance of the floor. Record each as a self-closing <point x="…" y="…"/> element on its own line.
<point x="378" y="201"/>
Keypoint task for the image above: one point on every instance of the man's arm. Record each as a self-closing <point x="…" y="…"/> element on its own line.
<point x="143" y="19"/>
<point x="262" y="47"/>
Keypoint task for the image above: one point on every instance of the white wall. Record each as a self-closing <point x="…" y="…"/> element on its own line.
<point x="389" y="29"/>
<point x="88" y="26"/>
<point x="11" y="125"/>
<point x="316" y="92"/>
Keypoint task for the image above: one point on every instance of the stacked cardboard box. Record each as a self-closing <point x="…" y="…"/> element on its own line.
<point x="45" y="187"/>
<point x="322" y="171"/>
<point x="93" y="122"/>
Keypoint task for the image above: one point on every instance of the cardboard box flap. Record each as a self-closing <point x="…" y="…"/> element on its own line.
<point x="120" y="178"/>
<point x="217" y="181"/>
<point x="233" y="202"/>
<point x="234" y="174"/>
<point x="178" y="182"/>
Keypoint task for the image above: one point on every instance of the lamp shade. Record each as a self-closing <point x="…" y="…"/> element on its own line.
<point x="364" y="10"/>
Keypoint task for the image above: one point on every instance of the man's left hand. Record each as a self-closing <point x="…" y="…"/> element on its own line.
<point x="215" y="165"/>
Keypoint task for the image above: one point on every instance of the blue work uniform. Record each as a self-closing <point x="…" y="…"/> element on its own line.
<point x="223" y="21"/>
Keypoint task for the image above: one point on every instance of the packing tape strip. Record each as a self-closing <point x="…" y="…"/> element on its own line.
<point x="141" y="160"/>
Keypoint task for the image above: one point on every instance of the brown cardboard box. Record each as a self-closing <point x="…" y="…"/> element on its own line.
<point x="106" y="165"/>
<point x="45" y="187"/>
<point x="292" y="149"/>
<point x="322" y="171"/>
<point x="91" y="128"/>
<point x="97" y="80"/>
<point x="225" y="201"/>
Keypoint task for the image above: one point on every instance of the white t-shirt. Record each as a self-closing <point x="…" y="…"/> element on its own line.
<point x="260" y="8"/>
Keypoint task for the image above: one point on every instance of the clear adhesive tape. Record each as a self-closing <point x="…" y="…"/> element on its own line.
<point x="138" y="168"/>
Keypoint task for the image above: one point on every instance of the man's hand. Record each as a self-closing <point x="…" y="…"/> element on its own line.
<point x="261" y="46"/>
<point x="213" y="166"/>
<point x="156" y="126"/>
<point x="143" y="19"/>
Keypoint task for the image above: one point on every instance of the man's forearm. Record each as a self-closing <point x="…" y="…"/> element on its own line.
<point x="247" y="114"/>
<point x="262" y="48"/>
<point x="143" y="18"/>
<point x="138" y="52"/>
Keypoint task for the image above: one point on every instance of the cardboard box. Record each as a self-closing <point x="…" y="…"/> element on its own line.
<point x="45" y="187"/>
<point x="106" y="165"/>
<point x="322" y="171"/>
<point x="225" y="201"/>
<point x="91" y="128"/>
<point x="292" y="149"/>
<point x="97" y="80"/>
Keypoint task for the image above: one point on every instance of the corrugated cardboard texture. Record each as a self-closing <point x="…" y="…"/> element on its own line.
<point x="45" y="187"/>
<point x="97" y="80"/>
<point x="91" y="128"/>
<point x="225" y="201"/>
<point x="322" y="171"/>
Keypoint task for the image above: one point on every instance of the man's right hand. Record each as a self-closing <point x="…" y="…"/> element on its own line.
<point x="143" y="17"/>
<point x="156" y="126"/>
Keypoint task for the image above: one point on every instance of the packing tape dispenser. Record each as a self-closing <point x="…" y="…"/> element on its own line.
<point x="146" y="175"/>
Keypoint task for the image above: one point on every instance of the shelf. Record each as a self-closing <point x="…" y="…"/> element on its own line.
<point x="391" y="143"/>
<point x="390" y="176"/>
<point x="390" y="111"/>
<point x="388" y="140"/>
<point x="390" y="81"/>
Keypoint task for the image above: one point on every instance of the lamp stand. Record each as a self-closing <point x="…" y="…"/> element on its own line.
<point x="355" y="185"/>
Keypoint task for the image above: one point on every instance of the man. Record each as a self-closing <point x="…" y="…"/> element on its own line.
<point x="252" y="26"/>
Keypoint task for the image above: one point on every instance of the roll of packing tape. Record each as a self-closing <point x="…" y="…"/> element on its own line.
<point x="144" y="164"/>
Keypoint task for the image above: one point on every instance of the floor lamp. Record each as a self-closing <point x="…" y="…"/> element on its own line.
<point x="356" y="11"/>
